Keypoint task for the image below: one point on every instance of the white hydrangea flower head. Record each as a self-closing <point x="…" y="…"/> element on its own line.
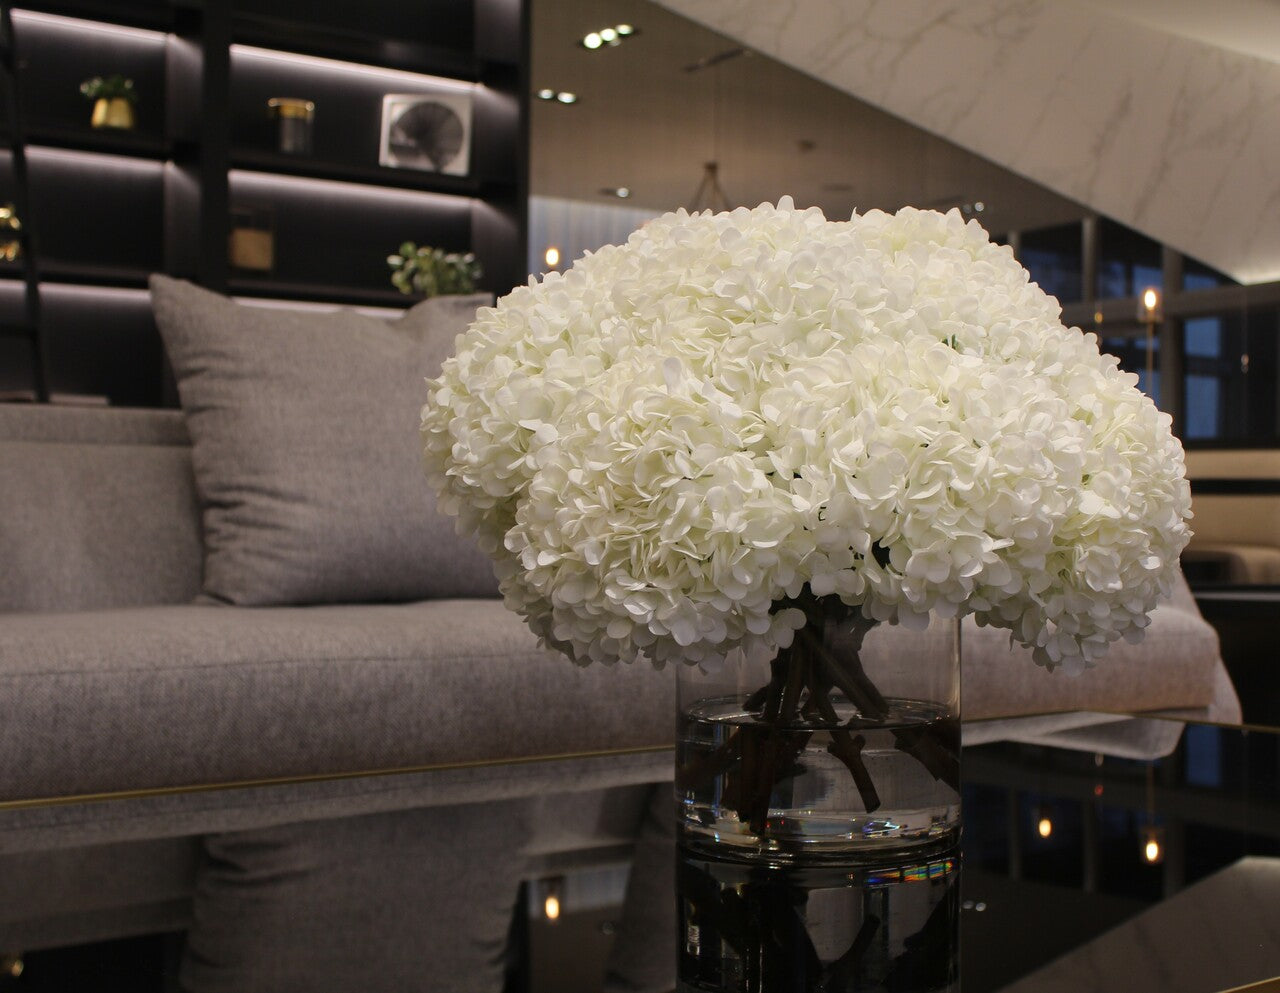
<point x="662" y="445"/>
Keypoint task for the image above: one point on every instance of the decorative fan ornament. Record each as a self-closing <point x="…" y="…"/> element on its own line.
<point x="428" y="130"/>
<point x="430" y="133"/>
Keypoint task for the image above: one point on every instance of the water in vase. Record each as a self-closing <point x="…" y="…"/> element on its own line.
<point x="818" y="789"/>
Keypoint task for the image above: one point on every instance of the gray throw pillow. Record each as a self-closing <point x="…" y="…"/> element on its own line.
<point x="304" y="432"/>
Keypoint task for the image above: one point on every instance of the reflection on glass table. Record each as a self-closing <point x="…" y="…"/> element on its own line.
<point x="1085" y="871"/>
<point x="1082" y="871"/>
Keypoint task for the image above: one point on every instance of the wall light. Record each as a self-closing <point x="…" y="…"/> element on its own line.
<point x="1149" y="305"/>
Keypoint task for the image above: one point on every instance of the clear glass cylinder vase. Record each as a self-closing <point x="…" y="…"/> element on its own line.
<point x="845" y="745"/>
<point x="818" y="813"/>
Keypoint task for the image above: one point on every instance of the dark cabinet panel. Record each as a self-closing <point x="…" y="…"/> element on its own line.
<point x="202" y="187"/>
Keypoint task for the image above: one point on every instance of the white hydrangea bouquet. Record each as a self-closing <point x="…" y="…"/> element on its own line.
<point x="671" y="448"/>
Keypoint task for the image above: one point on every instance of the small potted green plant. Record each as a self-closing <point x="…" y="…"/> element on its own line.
<point x="113" y="99"/>
<point x="433" y="271"/>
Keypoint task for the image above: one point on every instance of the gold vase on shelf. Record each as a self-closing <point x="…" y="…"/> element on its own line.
<point x="113" y="98"/>
<point x="112" y="112"/>
<point x="10" y="241"/>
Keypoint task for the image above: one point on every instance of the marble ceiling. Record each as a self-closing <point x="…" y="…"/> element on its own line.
<point x="1173" y="135"/>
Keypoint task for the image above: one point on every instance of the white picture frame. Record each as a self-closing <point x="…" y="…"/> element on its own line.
<point x="429" y="132"/>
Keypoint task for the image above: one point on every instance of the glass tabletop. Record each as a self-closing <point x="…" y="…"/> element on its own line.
<point x="1082" y="870"/>
<point x="1088" y="871"/>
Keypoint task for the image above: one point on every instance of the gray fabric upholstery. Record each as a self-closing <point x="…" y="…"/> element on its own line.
<point x="100" y="425"/>
<point x="416" y="900"/>
<point x="1175" y="665"/>
<point x="163" y="696"/>
<point x="86" y="526"/>
<point x="304" y="429"/>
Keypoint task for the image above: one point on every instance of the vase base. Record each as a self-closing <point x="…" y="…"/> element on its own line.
<point x="850" y="850"/>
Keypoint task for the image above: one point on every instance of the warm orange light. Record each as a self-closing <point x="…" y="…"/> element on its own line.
<point x="1045" y="827"/>
<point x="551" y="907"/>
<point x="1151" y="851"/>
<point x="552" y="256"/>
<point x="1150" y="298"/>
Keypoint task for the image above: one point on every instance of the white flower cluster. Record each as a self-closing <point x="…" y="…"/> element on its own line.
<point x="662" y="445"/>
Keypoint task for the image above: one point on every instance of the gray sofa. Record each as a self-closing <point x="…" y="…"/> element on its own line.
<point x="226" y="759"/>
<point x="120" y="690"/>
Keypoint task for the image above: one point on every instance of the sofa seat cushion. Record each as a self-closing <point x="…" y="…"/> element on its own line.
<point x="1177" y="665"/>
<point x="118" y="700"/>
<point x="134" y="698"/>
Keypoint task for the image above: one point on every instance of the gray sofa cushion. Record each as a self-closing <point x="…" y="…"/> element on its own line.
<point x="166" y="696"/>
<point x="96" y="525"/>
<point x="304" y="429"/>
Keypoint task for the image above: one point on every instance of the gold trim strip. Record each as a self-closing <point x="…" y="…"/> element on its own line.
<point x="1266" y="986"/>
<point x="324" y="777"/>
<point x="318" y="777"/>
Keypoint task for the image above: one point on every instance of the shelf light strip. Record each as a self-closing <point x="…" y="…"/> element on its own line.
<point x="108" y="161"/>
<point x="82" y="26"/>
<point x="52" y="290"/>
<point x="249" y="181"/>
<point x="333" y="65"/>
<point x="319" y="306"/>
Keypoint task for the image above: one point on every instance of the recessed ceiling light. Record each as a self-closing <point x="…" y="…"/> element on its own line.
<point x="610" y="37"/>
<point x="567" y="97"/>
<point x="546" y="94"/>
<point x="621" y="192"/>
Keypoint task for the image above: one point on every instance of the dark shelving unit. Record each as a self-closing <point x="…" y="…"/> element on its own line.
<point x="113" y="206"/>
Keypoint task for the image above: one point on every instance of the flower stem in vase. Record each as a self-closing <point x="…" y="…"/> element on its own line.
<point x="803" y="762"/>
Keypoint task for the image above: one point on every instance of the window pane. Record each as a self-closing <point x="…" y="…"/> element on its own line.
<point x="1231" y="370"/>
<point x="1203" y="415"/>
<point x="1204" y="337"/>
<point x="1053" y="257"/>
<point x="1198" y="276"/>
<point x="1128" y="262"/>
